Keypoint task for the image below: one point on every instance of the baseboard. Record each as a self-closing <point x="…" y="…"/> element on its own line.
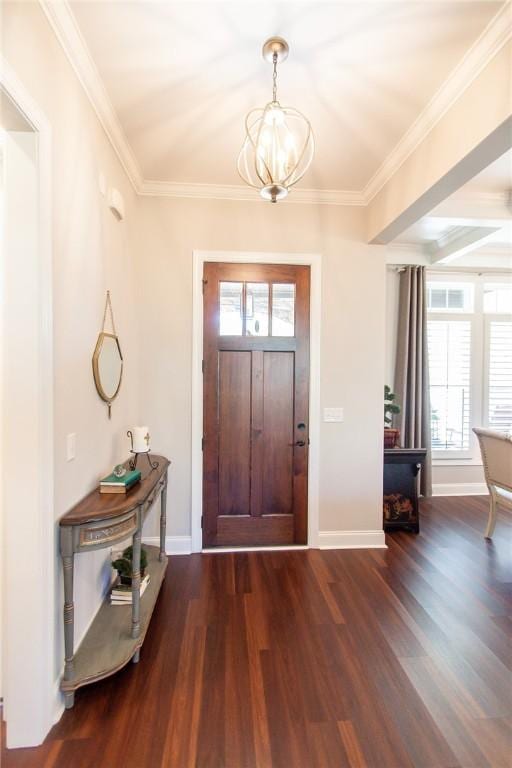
<point x="182" y="545"/>
<point x="459" y="489"/>
<point x="174" y="545"/>
<point x="276" y="548"/>
<point x="351" y="540"/>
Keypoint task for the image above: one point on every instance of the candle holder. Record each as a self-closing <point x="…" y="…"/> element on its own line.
<point x="133" y="462"/>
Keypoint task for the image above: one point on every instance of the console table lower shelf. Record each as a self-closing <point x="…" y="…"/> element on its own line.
<point x="108" y="645"/>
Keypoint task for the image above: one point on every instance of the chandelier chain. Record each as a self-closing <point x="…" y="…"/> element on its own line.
<point x="274" y="77"/>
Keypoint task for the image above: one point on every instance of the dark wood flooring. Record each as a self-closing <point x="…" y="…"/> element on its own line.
<point x="307" y="659"/>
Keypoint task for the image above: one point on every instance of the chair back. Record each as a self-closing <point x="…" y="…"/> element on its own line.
<point x="496" y="449"/>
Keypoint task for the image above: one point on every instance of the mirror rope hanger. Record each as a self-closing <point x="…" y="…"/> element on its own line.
<point x="107" y="396"/>
<point x="108" y="308"/>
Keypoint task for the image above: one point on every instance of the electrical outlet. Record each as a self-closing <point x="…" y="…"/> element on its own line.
<point x="71" y="446"/>
<point x="333" y="414"/>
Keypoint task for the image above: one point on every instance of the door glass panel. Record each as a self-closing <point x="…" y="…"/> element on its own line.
<point x="256" y="309"/>
<point x="283" y="309"/>
<point x="230" y="314"/>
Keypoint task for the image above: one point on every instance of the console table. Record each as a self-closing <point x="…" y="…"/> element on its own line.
<point x="401" y="468"/>
<point x="117" y="632"/>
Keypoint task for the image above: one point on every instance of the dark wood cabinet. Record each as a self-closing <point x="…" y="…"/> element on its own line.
<point x="401" y="469"/>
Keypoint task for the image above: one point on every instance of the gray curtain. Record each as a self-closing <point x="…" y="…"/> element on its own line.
<point x="411" y="371"/>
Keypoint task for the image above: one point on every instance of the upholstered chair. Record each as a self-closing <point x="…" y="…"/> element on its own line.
<point x="496" y="449"/>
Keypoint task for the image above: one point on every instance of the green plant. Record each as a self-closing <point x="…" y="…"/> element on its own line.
<point x="390" y="407"/>
<point x="123" y="564"/>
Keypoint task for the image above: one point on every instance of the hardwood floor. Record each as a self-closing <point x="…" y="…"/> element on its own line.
<point x="315" y="659"/>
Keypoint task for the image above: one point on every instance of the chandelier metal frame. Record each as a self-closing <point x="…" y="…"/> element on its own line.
<point x="268" y="174"/>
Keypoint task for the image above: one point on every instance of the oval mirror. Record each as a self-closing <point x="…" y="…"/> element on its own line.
<point x="107" y="364"/>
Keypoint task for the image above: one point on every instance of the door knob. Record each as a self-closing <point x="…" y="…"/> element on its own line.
<point x="299" y="444"/>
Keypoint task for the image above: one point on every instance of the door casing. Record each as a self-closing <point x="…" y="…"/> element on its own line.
<point x="249" y="257"/>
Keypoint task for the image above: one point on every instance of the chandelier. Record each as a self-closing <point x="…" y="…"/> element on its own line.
<point x="279" y="144"/>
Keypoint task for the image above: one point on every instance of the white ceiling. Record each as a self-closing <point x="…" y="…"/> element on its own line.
<point x="496" y="178"/>
<point x="182" y="75"/>
<point x="476" y="219"/>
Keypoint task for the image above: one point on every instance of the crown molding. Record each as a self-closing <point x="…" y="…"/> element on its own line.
<point x="63" y="23"/>
<point x="497" y="33"/>
<point x="65" y="27"/>
<point x="247" y="194"/>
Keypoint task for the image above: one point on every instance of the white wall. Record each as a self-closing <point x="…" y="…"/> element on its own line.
<point x="92" y="251"/>
<point x="352" y="340"/>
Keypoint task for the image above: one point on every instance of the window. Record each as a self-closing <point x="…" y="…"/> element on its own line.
<point x="470" y="360"/>
<point x="256" y="312"/>
<point x="283" y="309"/>
<point x="450" y="297"/>
<point x="230" y="315"/>
<point x="497" y="297"/>
<point x="244" y="309"/>
<point x="499" y="374"/>
<point x="449" y="345"/>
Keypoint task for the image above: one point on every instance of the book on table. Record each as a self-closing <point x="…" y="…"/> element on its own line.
<point x="121" y="594"/>
<point x="114" y="484"/>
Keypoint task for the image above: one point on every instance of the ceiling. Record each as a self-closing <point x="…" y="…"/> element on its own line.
<point x="11" y="119"/>
<point x="476" y="220"/>
<point x="496" y="178"/>
<point x="182" y="75"/>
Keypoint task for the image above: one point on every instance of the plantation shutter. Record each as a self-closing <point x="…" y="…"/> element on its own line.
<point x="499" y="398"/>
<point x="449" y="349"/>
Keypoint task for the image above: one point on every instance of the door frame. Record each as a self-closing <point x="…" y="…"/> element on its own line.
<point x="31" y="698"/>
<point x="314" y="261"/>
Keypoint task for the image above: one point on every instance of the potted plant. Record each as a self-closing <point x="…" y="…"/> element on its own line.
<point x="124" y="565"/>
<point x="391" y="435"/>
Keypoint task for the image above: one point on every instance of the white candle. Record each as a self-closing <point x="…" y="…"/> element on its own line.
<point x="140" y="439"/>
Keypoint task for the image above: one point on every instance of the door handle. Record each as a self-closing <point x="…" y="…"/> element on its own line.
<point x="298" y="444"/>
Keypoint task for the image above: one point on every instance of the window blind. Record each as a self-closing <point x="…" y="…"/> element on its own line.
<point x="449" y="348"/>
<point x="499" y="399"/>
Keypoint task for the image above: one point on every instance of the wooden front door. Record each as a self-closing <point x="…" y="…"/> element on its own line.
<point x="255" y="409"/>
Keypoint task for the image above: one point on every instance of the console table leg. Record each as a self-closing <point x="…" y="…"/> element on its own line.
<point x="136" y="656"/>
<point x="136" y="581"/>
<point x="69" y="700"/>
<point x="69" y="608"/>
<point x="163" y="519"/>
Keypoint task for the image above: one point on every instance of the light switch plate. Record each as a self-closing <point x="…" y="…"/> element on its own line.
<point x="71" y="446"/>
<point x="333" y="414"/>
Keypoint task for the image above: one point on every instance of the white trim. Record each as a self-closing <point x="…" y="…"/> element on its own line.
<point x="224" y="550"/>
<point x="62" y="21"/>
<point x="352" y="540"/>
<point x="67" y="31"/>
<point x="315" y="262"/>
<point x="174" y="545"/>
<point x="488" y="44"/>
<point x="32" y="716"/>
<point x="245" y="193"/>
<point x="459" y="489"/>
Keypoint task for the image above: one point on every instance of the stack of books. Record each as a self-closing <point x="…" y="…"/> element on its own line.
<point x="114" y="484"/>
<point x="121" y="594"/>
